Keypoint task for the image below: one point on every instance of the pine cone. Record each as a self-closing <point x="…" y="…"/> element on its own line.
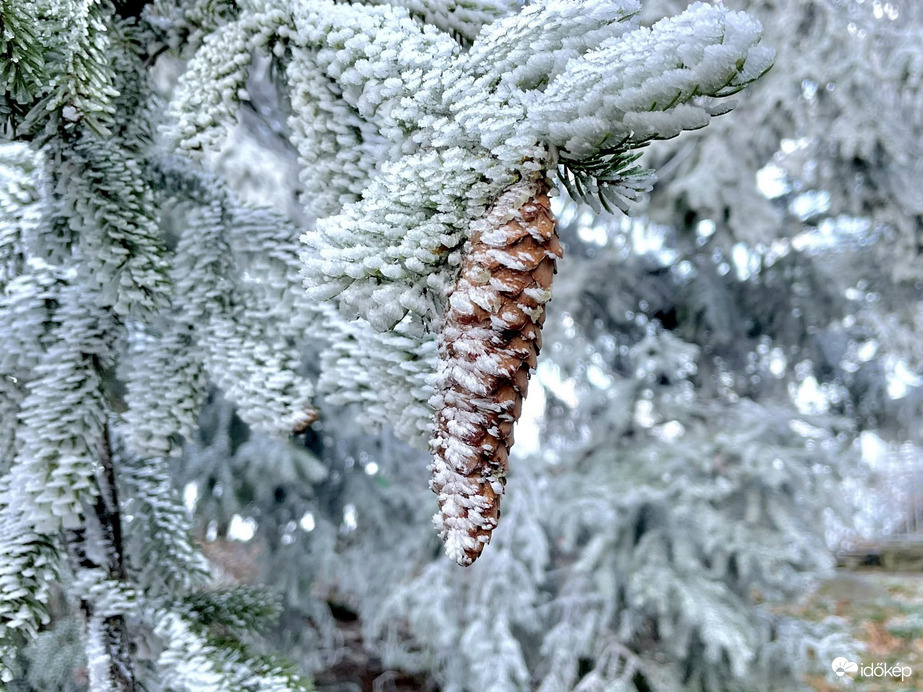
<point x="488" y="348"/>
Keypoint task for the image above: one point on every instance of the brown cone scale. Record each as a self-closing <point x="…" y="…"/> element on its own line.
<point x="488" y="348"/>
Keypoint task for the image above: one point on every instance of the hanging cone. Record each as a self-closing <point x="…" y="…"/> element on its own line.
<point x="487" y="350"/>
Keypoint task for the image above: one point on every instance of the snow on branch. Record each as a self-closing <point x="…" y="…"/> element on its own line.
<point x="650" y="83"/>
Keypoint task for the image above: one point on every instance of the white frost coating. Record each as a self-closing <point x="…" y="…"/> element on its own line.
<point x="338" y="150"/>
<point x="482" y="296"/>
<point x="462" y="303"/>
<point x="245" y="343"/>
<point x="404" y="138"/>
<point x="459" y="454"/>
<point x="98" y="660"/>
<point x="463" y="19"/>
<point x="190" y="663"/>
<point x="388" y="374"/>
<point x="185" y="658"/>
<point x="510" y="260"/>
<point x="490" y="364"/>
<point x="457" y="543"/>
<point x="469" y="346"/>
<point x="539" y="295"/>
<point x="27" y="570"/>
<point x="457" y="428"/>
<point x="497" y="237"/>
<point x="206" y="101"/>
<point x="707" y="50"/>
<point x="61" y="418"/>
<point x="467" y="378"/>
<point x="166" y="385"/>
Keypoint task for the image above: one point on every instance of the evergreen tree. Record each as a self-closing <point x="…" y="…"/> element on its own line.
<point x="158" y="336"/>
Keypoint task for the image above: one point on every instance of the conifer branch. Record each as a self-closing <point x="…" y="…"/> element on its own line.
<point x="103" y="529"/>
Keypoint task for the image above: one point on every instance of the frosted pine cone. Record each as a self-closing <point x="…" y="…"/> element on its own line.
<point x="488" y="349"/>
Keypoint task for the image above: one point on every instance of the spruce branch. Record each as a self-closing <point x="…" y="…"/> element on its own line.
<point x="109" y="643"/>
<point x="163" y="558"/>
<point x="22" y="64"/>
<point x="236" y="610"/>
<point x="80" y="91"/>
<point x="606" y="181"/>
<point x="228" y="318"/>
